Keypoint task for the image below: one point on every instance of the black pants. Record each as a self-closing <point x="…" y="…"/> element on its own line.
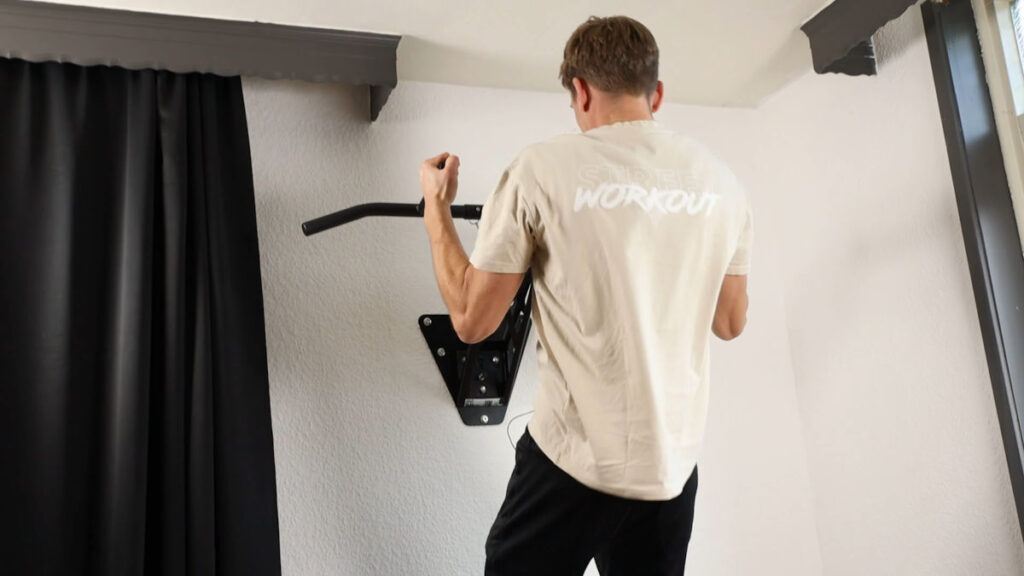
<point x="551" y="525"/>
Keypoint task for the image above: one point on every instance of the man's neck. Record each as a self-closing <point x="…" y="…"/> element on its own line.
<point x="622" y="110"/>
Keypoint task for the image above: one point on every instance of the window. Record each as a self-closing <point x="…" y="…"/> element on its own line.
<point x="1001" y="32"/>
<point x="1017" y="30"/>
<point x="1010" y="22"/>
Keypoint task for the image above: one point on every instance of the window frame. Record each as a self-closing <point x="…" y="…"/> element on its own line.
<point x="970" y="112"/>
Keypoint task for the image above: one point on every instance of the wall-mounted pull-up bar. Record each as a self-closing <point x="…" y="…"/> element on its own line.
<point x="479" y="377"/>
<point x="466" y="212"/>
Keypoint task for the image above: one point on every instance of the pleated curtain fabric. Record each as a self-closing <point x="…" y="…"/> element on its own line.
<point x="135" y="431"/>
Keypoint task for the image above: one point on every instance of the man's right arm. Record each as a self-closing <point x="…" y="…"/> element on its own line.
<point x="731" y="312"/>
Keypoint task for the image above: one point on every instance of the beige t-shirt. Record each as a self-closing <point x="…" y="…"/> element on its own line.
<point x="629" y="230"/>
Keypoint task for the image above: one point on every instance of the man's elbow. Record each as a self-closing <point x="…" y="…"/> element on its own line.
<point x="471" y="330"/>
<point x="729" y="328"/>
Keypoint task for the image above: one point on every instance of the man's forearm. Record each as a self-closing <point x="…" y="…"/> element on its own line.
<point x="451" y="264"/>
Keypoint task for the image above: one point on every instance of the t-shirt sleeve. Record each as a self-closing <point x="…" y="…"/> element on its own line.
<point x="505" y="241"/>
<point x="740" y="263"/>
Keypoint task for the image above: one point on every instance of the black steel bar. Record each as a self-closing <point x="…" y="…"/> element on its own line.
<point x="317" y="225"/>
<point x="467" y="211"/>
<point x="520" y="323"/>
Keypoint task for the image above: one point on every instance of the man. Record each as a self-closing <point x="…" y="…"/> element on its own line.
<point x="639" y="243"/>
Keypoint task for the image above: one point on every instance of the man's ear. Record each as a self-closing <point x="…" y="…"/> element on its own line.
<point x="583" y="96"/>
<point x="658" y="96"/>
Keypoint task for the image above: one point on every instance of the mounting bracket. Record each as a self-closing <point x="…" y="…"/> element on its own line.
<point x="480" y="377"/>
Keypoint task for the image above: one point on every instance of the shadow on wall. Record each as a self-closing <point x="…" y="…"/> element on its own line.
<point x="879" y="250"/>
<point x="793" y="55"/>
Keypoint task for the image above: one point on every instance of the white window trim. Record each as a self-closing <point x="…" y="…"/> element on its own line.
<point x="1005" y="75"/>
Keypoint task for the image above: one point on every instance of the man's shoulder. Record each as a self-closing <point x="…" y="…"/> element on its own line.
<point x="553" y="145"/>
<point x="535" y="159"/>
<point x="708" y="166"/>
<point x="549" y="156"/>
<point x="664" y="136"/>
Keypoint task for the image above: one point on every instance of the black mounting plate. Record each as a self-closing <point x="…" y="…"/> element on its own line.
<point x="480" y="377"/>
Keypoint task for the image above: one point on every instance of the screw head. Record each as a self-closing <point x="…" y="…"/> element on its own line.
<point x="485" y="419"/>
<point x="481" y="377"/>
<point x="427" y="321"/>
<point x="441" y="352"/>
<point x="496" y="360"/>
<point x="483" y="389"/>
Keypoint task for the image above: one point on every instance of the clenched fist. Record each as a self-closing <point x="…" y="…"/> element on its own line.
<point x="440" y="185"/>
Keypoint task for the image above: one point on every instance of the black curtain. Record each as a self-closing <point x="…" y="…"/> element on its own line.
<point x="134" y="406"/>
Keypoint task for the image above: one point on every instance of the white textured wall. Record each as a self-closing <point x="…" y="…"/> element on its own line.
<point x="904" y="451"/>
<point x="376" y="474"/>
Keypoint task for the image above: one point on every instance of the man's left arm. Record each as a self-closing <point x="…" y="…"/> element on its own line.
<point x="477" y="300"/>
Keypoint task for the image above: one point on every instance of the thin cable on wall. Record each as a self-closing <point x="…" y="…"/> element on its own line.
<point x="508" y="427"/>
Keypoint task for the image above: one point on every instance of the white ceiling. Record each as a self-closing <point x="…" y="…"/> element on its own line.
<point x="713" y="52"/>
